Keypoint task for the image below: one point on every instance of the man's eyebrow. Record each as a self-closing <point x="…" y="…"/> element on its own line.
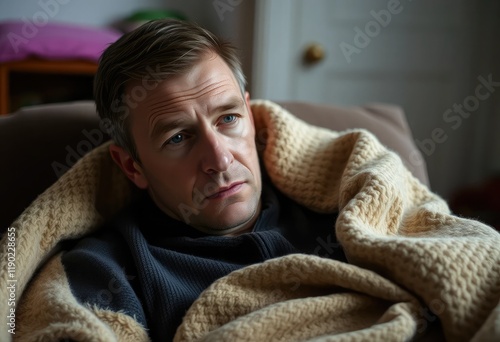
<point x="232" y="103"/>
<point x="161" y="126"/>
<point x="164" y="126"/>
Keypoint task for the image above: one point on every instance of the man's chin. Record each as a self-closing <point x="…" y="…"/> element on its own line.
<point x="231" y="221"/>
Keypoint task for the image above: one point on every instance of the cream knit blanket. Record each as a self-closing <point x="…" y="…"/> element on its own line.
<point x="410" y="260"/>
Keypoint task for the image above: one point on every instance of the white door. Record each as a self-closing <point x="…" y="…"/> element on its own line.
<point x="416" y="54"/>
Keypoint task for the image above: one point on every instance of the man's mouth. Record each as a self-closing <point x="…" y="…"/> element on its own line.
<point x="226" y="191"/>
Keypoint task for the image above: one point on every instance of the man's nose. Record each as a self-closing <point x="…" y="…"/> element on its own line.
<point x="215" y="153"/>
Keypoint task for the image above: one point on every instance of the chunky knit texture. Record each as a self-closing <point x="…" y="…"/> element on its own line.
<point x="409" y="257"/>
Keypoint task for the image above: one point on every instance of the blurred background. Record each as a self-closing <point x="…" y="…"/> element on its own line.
<point x="438" y="60"/>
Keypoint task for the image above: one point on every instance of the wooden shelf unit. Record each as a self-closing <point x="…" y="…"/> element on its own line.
<point x="52" y="72"/>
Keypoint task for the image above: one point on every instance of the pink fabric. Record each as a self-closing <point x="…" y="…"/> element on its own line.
<point x="22" y="39"/>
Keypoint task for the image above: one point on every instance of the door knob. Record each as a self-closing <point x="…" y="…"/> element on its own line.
<point x="314" y="53"/>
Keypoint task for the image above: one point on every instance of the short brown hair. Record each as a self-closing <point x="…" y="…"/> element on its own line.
<point x="152" y="52"/>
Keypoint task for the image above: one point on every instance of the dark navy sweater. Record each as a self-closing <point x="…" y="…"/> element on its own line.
<point x="153" y="267"/>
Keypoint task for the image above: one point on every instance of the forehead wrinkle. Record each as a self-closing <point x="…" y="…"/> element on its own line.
<point x="173" y="95"/>
<point x="186" y="93"/>
<point x="169" y="104"/>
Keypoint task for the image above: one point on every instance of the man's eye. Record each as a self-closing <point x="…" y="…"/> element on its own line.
<point x="228" y="118"/>
<point x="176" y="139"/>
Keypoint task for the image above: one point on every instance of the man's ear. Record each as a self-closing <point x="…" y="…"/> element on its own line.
<point x="129" y="166"/>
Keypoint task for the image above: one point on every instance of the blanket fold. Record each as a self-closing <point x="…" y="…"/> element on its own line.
<point x="411" y="262"/>
<point x="300" y="297"/>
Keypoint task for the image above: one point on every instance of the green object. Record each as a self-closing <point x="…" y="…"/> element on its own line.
<point x="146" y="15"/>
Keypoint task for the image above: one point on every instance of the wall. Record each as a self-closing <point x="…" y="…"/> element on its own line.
<point x="231" y="19"/>
<point x="486" y="161"/>
<point x="85" y="12"/>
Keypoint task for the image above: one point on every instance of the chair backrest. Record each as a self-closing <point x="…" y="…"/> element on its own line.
<point x="388" y="123"/>
<point x="39" y="143"/>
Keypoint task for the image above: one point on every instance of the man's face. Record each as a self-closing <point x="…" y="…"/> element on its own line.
<point x="194" y="135"/>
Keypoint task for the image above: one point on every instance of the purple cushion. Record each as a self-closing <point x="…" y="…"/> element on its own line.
<point x="22" y="39"/>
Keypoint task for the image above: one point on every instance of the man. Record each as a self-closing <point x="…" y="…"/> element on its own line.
<point x="184" y="134"/>
<point x="219" y="241"/>
<point x="191" y="141"/>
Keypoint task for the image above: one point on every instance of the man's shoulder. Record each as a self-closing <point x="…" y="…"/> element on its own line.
<point x="107" y="241"/>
